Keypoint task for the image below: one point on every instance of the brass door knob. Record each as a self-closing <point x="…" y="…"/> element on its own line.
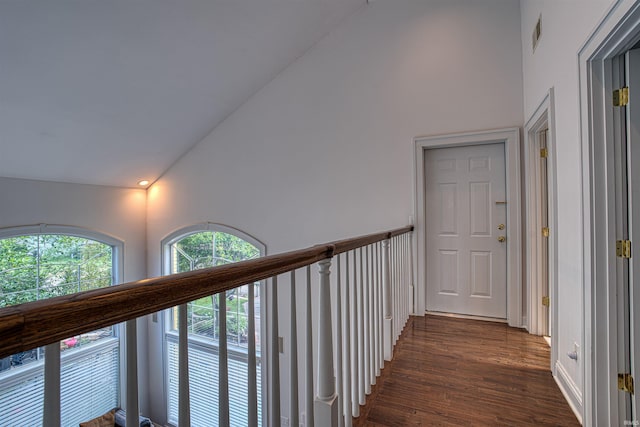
<point x="500" y="226"/>
<point x="502" y="239"/>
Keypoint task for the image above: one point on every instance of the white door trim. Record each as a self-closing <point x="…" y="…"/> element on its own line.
<point x="543" y="116"/>
<point x="511" y="139"/>
<point x="617" y="33"/>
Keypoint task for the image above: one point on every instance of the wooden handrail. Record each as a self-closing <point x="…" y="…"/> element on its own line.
<point x="35" y="324"/>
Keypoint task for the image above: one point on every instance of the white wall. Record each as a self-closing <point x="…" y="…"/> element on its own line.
<point x="325" y="151"/>
<point x="117" y="212"/>
<point x="565" y="28"/>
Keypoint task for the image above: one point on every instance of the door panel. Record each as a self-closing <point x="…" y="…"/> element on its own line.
<point x="466" y="264"/>
<point x="544" y="220"/>
<point x="631" y="290"/>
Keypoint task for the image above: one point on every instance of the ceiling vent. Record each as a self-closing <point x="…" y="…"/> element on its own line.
<point x="537" y="32"/>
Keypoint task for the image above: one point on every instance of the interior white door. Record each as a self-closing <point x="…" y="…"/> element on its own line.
<point x="544" y="238"/>
<point x="466" y="216"/>
<point x="632" y="293"/>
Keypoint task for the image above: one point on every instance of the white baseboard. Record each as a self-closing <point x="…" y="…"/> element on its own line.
<point x="569" y="389"/>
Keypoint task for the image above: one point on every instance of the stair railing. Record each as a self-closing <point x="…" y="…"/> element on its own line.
<point x="357" y="327"/>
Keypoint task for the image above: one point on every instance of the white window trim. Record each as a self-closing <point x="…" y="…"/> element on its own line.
<point x="165" y="248"/>
<point x="117" y="276"/>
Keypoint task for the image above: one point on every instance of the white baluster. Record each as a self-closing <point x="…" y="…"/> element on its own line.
<point x="412" y="301"/>
<point x="371" y="318"/>
<point x="362" y="398"/>
<point x="309" y="356"/>
<point x="388" y="307"/>
<point x="397" y="315"/>
<point x="401" y="284"/>
<point x="131" y="367"/>
<point x="405" y="284"/>
<point x="346" y="390"/>
<point x="51" y="412"/>
<point x="366" y="324"/>
<point x="275" y="357"/>
<point x="223" y="363"/>
<point x="380" y="309"/>
<point x="293" y="362"/>
<point x="394" y="282"/>
<point x="252" y="384"/>
<point x="376" y="311"/>
<point x="326" y="405"/>
<point x="338" y="355"/>
<point x="355" y="379"/>
<point x="407" y="281"/>
<point x="184" y="413"/>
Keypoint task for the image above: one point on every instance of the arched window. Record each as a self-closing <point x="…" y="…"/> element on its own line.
<point x="194" y="248"/>
<point x="41" y="262"/>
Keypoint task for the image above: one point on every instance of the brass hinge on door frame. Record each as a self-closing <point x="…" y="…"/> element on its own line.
<point x="621" y="97"/>
<point x="545" y="301"/>
<point x="545" y="231"/>
<point x="623" y="248"/>
<point x="544" y="153"/>
<point x="625" y="383"/>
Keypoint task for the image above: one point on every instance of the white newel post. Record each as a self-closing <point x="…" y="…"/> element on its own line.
<point x="386" y="286"/>
<point x="51" y="412"/>
<point x="339" y="374"/>
<point x="326" y="403"/>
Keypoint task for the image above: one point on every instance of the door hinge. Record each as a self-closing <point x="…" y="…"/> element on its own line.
<point x="625" y="383"/>
<point x="544" y="153"/>
<point x="545" y="231"/>
<point x="621" y="97"/>
<point x="545" y="301"/>
<point x="623" y="248"/>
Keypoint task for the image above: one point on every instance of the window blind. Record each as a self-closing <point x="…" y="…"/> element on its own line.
<point x="88" y="386"/>
<point x="203" y="386"/>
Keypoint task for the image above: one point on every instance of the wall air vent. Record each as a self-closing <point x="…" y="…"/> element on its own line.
<point x="537" y="32"/>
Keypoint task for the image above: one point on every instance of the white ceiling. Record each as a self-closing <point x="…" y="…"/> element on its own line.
<point x="113" y="91"/>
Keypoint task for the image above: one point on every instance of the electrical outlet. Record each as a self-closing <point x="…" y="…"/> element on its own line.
<point x="284" y="422"/>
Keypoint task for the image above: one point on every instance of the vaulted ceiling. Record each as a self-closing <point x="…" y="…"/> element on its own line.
<point x="114" y="91"/>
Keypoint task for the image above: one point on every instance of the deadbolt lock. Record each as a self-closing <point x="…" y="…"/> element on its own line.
<point x="501" y="227"/>
<point x="502" y="239"/>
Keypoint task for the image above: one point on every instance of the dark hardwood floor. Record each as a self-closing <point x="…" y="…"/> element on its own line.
<point x="458" y="372"/>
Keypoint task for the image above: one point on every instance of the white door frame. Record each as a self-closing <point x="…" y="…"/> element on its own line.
<point x="617" y="33"/>
<point x="544" y="116"/>
<point x="511" y="139"/>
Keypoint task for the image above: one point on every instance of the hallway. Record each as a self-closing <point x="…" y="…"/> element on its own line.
<point x="458" y="372"/>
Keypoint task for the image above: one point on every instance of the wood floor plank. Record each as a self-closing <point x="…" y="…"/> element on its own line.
<point x="454" y="372"/>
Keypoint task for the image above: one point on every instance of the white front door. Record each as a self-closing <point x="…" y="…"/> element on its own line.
<point x="466" y="214"/>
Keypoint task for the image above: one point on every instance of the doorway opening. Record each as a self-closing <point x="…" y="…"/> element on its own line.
<point x="511" y="204"/>
<point x="541" y="224"/>
<point x="611" y="207"/>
